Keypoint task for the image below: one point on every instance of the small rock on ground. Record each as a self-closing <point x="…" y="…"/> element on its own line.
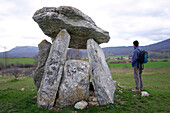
<point x="93" y="104"/>
<point x="144" y="93"/>
<point x="116" y="84"/>
<point x="81" y="105"/>
<point x="22" y="89"/>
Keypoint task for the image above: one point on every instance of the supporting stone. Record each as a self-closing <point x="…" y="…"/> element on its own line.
<point x="44" y="49"/>
<point x="101" y="77"/>
<point x="75" y="83"/>
<point x="53" y="70"/>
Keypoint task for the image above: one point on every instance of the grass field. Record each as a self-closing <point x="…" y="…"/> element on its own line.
<point x="19" y="60"/>
<point x="157" y="64"/>
<point x="33" y="60"/>
<point x="156" y="83"/>
<point x="156" y="80"/>
<point x="147" y="65"/>
<point x="158" y="60"/>
<point x="108" y="61"/>
<point x="122" y="56"/>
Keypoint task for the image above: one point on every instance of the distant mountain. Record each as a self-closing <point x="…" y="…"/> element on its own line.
<point x="22" y="52"/>
<point x="157" y="50"/>
<point x="163" y="46"/>
<point x="160" y="47"/>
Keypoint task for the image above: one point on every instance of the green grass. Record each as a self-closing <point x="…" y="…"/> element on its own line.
<point x="108" y="61"/>
<point x="156" y="83"/>
<point x="32" y="61"/>
<point x="20" y="60"/>
<point x="160" y="59"/>
<point x="147" y="65"/>
<point x="122" y="56"/>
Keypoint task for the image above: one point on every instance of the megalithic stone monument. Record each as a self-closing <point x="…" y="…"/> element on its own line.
<point x="65" y="82"/>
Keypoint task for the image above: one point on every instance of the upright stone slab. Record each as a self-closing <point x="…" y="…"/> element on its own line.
<point x="53" y="70"/>
<point x="44" y="49"/>
<point x="101" y="76"/>
<point x="75" y="83"/>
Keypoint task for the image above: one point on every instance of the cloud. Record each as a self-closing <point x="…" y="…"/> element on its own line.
<point x="144" y="20"/>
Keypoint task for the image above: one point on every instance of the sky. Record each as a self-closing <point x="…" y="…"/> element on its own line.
<point x="147" y="21"/>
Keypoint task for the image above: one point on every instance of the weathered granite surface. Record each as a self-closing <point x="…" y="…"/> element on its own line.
<point x="80" y="26"/>
<point x="44" y="49"/>
<point x="75" y="83"/>
<point x="101" y="77"/>
<point x="53" y="70"/>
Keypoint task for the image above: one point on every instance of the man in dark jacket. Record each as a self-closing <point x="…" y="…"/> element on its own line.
<point x="137" y="67"/>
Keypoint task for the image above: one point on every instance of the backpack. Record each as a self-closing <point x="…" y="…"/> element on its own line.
<point x="143" y="57"/>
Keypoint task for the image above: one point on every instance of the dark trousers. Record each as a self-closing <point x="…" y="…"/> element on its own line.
<point x="138" y="77"/>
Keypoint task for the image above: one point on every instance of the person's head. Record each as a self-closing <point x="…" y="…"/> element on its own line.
<point x="135" y="43"/>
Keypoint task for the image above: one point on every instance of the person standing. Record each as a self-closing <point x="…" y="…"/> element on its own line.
<point x="137" y="67"/>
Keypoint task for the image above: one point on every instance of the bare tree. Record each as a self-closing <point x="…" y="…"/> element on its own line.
<point x="1" y="66"/>
<point x="15" y="72"/>
<point x="36" y="61"/>
<point x="5" y="58"/>
<point x="74" y="54"/>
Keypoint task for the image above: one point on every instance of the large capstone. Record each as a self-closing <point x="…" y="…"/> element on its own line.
<point x="44" y="49"/>
<point x="53" y="70"/>
<point x="80" y="26"/>
<point x="101" y="77"/>
<point x="75" y="83"/>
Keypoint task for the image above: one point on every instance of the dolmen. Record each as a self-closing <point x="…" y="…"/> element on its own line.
<point x="62" y="82"/>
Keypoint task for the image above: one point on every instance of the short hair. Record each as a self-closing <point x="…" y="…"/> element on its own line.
<point x="136" y="43"/>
